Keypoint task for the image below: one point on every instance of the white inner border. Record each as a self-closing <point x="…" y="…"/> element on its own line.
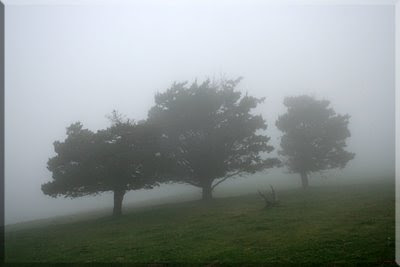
<point x="201" y="2"/>
<point x="397" y="118"/>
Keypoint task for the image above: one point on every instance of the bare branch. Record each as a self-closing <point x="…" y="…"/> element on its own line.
<point x="270" y="201"/>
<point x="262" y="195"/>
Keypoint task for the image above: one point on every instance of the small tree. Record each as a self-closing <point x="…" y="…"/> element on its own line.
<point x="210" y="134"/>
<point x="314" y="136"/>
<point x="120" y="158"/>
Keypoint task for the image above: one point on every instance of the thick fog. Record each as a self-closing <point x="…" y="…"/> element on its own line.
<point x="68" y="63"/>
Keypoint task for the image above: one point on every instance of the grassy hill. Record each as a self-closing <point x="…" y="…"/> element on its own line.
<point x="336" y="224"/>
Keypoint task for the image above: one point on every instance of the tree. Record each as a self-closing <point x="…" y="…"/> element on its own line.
<point x="314" y="136"/>
<point x="209" y="133"/>
<point x="120" y="158"/>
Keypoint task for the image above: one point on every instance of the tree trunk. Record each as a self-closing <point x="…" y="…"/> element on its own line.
<point x="118" y="197"/>
<point x="207" y="191"/>
<point x="304" y="180"/>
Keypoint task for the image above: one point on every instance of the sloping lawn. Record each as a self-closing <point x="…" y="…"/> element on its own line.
<point x="324" y="224"/>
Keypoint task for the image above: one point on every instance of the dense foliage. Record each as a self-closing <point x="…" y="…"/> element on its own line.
<point x="122" y="157"/>
<point x="314" y="136"/>
<point x="210" y="134"/>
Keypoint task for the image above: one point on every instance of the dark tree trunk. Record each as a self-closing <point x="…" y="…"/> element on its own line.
<point x="207" y="191"/>
<point x="304" y="180"/>
<point x="118" y="197"/>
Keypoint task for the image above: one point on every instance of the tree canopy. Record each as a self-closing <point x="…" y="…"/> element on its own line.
<point x="210" y="134"/>
<point x="314" y="136"/>
<point x="120" y="158"/>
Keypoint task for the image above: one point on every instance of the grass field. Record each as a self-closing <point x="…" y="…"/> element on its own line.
<point x="337" y="224"/>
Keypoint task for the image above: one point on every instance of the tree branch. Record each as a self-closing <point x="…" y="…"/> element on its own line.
<point x="226" y="177"/>
<point x="191" y="183"/>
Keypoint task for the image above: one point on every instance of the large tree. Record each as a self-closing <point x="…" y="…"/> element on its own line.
<point x="120" y="158"/>
<point x="210" y="133"/>
<point x="314" y="136"/>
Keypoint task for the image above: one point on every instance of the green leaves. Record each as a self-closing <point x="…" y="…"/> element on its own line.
<point x="121" y="157"/>
<point x="210" y="131"/>
<point x="200" y="134"/>
<point x="313" y="135"/>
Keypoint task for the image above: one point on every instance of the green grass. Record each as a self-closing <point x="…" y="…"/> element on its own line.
<point x="341" y="224"/>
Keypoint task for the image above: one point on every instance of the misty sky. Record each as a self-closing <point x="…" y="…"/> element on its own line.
<point x="68" y="63"/>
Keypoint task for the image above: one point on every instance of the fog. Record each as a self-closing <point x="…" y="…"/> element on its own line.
<point x="68" y="63"/>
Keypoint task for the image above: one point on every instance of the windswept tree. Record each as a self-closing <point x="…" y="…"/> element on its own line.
<point x="120" y="158"/>
<point x="314" y="136"/>
<point x="210" y="134"/>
